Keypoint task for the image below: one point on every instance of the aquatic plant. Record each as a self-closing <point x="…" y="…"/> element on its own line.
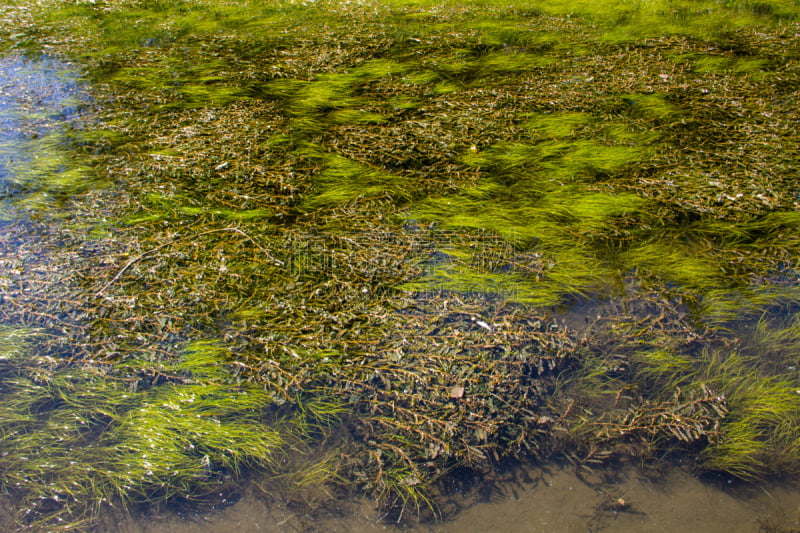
<point x="370" y="244"/>
<point x="79" y="438"/>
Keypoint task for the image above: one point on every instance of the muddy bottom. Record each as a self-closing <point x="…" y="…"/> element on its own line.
<point x="552" y="499"/>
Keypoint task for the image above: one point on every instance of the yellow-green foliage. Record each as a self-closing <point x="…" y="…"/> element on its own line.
<point x="41" y="121"/>
<point x="344" y="180"/>
<point x="15" y="342"/>
<point x="760" y="432"/>
<point x="558" y="125"/>
<point x="662" y="368"/>
<point x="173" y="438"/>
<point x="674" y="262"/>
<point x="650" y="106"/>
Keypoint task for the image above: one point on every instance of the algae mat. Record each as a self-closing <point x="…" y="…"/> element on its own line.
<point x="329" y="248"/>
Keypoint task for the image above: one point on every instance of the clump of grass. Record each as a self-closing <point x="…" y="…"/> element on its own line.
<point x="558" y="125"/>
<point x="42" y="122"/>
<point x="343" y="180"/>
<point x="760" y="433"/>
<point x="651" y="106"/>
<point x="674" y="263"/>
<point x="750" y="403"/>
<point x="81" y="438"/>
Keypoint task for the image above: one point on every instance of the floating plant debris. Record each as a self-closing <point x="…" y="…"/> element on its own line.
<point x="359" y="246"/>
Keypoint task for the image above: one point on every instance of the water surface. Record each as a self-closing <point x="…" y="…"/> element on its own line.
<point x="356" y="248"/>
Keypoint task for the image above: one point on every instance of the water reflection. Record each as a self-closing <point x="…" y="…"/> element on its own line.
<point x="40" y="104"/>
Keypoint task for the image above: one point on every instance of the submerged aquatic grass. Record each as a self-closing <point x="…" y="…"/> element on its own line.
<point x="43" y="100"/>
<point x="120" y="434"/>
<point x="426" y="235"/>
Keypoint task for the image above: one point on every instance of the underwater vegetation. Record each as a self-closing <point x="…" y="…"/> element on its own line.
<point x="43" y="103"/>
<point x="329" y="247"/>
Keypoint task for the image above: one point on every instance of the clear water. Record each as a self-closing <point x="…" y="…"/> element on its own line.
<point x="542" y="499"/>
<point x="41" y="100"/>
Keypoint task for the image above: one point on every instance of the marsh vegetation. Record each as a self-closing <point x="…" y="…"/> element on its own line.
<point x="355" y="246"/>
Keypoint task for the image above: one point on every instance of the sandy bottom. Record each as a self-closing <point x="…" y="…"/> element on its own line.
<point x="552" y="499"/>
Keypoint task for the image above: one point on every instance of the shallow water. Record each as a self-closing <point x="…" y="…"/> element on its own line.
<point x="41" y="100"/>
<point x="548" y="499"/>
<point x="184" y="297"/>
